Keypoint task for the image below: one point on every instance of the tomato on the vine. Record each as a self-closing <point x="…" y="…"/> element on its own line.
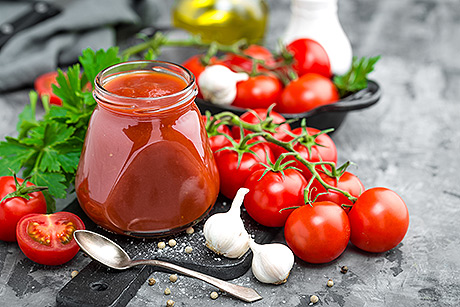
<point x="347" y="182"/>
<point x="233" y="170"/>
<point x="48" y="238"/>
<point x="216" y="138"/>
<point x="270" y="193"/>
<point x="259" y="91"/>
<point x="309" y="57"/>
<point x="43" y="86"/>
<point x="307" y="93"/>
<point x="379" y="220"/>
<point x="317" y="233"/>
<point x="13" y="208"/>
<point x="233" y="60"/>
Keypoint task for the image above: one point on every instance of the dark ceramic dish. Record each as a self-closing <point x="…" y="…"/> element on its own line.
<point x="324" y="117"/>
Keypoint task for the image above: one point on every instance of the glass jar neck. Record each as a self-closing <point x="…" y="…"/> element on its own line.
<point x="145" y="106"/>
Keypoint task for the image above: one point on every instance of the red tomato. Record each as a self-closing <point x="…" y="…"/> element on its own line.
<point x="43" y="87"/>
<point x="379" y="220"/>
<point x="216" y="140"/>
<point x="347" y="182"/>
<point x="322" y="148"/>
<point x="271" y="193"/>
<point x="232" y="175"/>
<point x="13" y="209"/>
<point x="48" y="238"/>
<point x="307" y="93"/>
<point x="309" y="57"/>
<point x="318" y="233"/>
<point x="195" y="65"/>
<point x="258" y="92"/>
<point x="255" y="51"/>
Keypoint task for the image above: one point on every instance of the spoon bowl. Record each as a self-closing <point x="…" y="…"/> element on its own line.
<point x="113" y="256"/>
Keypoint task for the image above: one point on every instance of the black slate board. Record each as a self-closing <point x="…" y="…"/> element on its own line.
<point x="97" y="285"/>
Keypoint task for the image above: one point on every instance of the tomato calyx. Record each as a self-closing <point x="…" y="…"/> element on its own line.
<point x="305" y="138"/>
<point x="212" y="126"/>
<point x="22" y="190"/>
<point x="278" y="166"/>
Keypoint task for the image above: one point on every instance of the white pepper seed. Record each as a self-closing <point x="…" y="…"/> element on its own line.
<point x="172" y="242"/>
<point x="161" y="245"/>
<point x="190" y="230"/>
<point x="152" y="281"/>
<point x="314" y="299"/>
<point x="214" y="295"/>
<point x="173" y="277"/>
<point x="188" y="249"/>
<point x="74" y="273"/>
<point x="167" y="291"/>
<point x="330" y="283"/>
<point x="169" y="303"/>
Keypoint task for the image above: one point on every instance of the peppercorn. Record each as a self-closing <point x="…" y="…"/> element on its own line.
<point x="169" y="303"/>
<point x="190" y="230"/>
<point x="314" y="299"/>
<point x="214" y="295"/>
<point x="167" y="291"/>
<point x="188" y="249"/>
<point x="173" y="277"/>
<point x="161" y="245"/>
<point x="152" y="281"/>
<point x="172" y="242"/>
<point x="344" y="269"/>
<point x="330" y="283"/>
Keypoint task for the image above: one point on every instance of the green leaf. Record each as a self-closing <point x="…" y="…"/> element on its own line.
<point x="94" y="62"/>
<point x="69" y="87"/>
<point x="14" y="155"/>
<point x="69" y="161"/>
<point x="50" y="161"/>
<point x="54" y="181"/>
<point x="56" y="133"/>
<point x="27" y="118"/>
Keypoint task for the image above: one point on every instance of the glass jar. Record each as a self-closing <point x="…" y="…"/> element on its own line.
<point x="146" y="167"/>
<point x="224" y="21"/>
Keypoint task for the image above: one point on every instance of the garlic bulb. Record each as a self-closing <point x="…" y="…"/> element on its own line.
<point x="271" y="263"/>
<point x="218" y="84"/>
<point x="225" y="233"/>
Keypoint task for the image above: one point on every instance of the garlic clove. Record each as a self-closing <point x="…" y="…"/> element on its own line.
<point x="218" y="84"/>
<point x="225" y="233"/>
<point x="271" y="263"/>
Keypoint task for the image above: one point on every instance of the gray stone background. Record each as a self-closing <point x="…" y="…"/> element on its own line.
<point x="408" y="142"/>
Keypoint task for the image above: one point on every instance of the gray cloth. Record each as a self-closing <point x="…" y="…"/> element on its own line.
<point x="59" y="39"/>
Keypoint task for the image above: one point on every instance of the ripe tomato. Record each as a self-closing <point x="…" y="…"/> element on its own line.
<point x="258" y="92"/>
<point x="309" y="57"/>
<point x="347" y="182"/>
<point x="307" y="93"/>
<point x="258" y="52"/>
<point x="233" y="174"/>
<point x="48" y="238"/>
<point x="271" y="193"/>
<point x="13" y="209"/>
<point x="318" y="233"/>
<point x="379" y="220"/>
<point x="311" y="148"/>
<point x="43" y="86"/>
<point x="216" y="140"/>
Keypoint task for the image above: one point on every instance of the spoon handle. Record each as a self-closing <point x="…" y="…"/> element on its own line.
<point x="243" y="293"/>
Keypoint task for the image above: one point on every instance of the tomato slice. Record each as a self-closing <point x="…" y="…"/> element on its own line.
<point x="43" y="86"/>
<point x="48" y="238"/>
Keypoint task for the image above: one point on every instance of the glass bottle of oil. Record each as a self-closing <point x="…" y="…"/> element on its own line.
<point x="224" y="21"/>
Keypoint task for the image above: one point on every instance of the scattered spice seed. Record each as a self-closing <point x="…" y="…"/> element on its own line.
<point x="330" y="283"/>
<point x="344" y="269"/>
<point x="169" y="303"/>
<point x="161" y="245"/>
<point x="167" y="291"/>
<point x="74" y="273"/>
<point x="190" y="230"/>
<point x="173" y="277"/>
<point x="188" y="249"/>
<point x="152" y="281"/>
<point x="214" y="295"/>
<point x="314" y="299"/>
<point x="172" y="242"/>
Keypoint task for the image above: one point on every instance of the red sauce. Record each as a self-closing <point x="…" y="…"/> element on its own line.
<point x="150" y="174"/>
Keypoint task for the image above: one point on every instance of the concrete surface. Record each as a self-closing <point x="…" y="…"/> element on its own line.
<point x="409" y="142"/>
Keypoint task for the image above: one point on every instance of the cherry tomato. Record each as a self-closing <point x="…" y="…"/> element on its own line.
<point x="196" y="66"/>
<point x="258" y="92"/>
<point x="313" y="149"/>
<point x="318" y="233"/>
<point x="309" y="57"/>
<point x="237" y="62"/>
<point x="307" y="93"/>
<point x="379" y="220"/>
<point x="48" y="238"/>
<point x="43" y="87"/>
<point x="274" y="191"/>
<point x="217" y="141"/>
<point x="233" y="173"/>
<point x="13" y="209"/>
<point x="347" y="182"/>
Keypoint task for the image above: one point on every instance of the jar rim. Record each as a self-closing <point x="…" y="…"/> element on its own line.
<point x="120" y="102"/>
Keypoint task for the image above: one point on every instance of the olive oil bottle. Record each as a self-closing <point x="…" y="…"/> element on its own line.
<point x="224" y="21"/>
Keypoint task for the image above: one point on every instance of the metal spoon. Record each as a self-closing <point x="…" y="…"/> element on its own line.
<point x="112" y="255"/>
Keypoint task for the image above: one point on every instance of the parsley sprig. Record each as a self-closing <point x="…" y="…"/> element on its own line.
<point x="48" y="149"/>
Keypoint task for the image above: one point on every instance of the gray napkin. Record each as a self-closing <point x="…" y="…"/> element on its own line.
<point x="59" y="39"/>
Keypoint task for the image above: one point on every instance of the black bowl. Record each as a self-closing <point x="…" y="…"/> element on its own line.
<point x="324" y="117"/>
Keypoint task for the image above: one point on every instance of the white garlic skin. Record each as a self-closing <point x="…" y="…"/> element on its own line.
<point x="218" y="84"/>
<point x="225" y="233"/>
<point x="271" y="263"/>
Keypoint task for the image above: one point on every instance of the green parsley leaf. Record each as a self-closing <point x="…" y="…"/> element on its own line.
<point x="94" y="62"/>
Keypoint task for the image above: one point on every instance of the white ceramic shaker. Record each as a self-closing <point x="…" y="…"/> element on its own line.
<point x="318" y="20"/>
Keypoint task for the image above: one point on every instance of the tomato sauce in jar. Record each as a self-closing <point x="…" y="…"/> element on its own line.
<point x="146" y="167"/>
